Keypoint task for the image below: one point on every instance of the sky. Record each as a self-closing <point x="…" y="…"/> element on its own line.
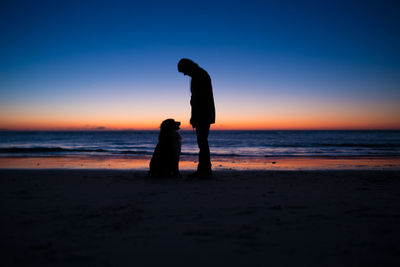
<point x="83" y="65"/>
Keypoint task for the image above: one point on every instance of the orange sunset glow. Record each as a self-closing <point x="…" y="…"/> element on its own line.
<point x="228" y="119"/>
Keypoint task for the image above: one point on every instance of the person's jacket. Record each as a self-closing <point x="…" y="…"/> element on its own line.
<point x="202" y="100"/>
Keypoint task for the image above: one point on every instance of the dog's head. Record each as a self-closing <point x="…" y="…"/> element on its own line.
<point x="170" y="125"/>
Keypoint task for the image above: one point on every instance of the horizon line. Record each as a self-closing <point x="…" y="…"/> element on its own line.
<point x="190" y="129"/>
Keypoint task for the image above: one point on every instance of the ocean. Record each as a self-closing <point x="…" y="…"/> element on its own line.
<point x="223" y="144"/>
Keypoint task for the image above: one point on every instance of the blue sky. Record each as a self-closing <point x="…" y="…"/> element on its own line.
<point x="111" y="61"/>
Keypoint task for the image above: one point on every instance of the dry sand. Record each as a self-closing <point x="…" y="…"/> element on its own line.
<point x="238" y="218"/>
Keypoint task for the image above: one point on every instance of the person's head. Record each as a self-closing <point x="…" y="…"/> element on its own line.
<point x="187" y="66"/>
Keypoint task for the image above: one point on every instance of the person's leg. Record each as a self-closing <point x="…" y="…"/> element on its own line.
<point x="204" y="153"/>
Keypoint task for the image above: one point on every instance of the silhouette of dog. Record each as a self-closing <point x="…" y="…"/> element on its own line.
<point x="165" y="159"/>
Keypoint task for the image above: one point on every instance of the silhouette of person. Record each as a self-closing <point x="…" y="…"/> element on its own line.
<point x="203" y="111"/>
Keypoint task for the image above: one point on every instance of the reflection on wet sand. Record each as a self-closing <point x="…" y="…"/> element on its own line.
<point x="221" y="163"/>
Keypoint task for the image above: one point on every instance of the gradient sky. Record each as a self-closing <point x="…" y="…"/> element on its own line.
<point x="273" y="64"/>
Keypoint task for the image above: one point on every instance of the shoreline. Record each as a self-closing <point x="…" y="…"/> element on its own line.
<point x="219" y="163"/>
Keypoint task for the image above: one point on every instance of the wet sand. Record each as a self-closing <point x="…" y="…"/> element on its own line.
<point x="189" y="163"/>
<point x="238" y="218"/>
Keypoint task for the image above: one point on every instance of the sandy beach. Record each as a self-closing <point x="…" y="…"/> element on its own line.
<point x="238" y="218"/>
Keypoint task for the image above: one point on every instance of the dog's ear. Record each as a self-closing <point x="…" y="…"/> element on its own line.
<point x="164" y="125"/>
